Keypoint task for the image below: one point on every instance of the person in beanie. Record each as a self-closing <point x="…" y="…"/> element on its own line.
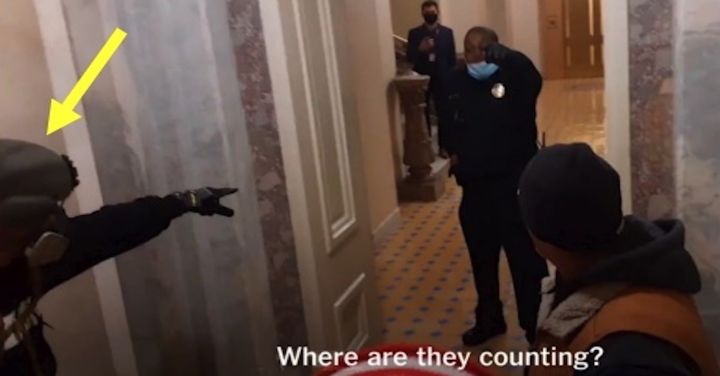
<point x="492" y="138"/>
<point x="622" y="283"/>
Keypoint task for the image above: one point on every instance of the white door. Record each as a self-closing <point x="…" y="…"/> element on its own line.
<point x="314" y="100"/>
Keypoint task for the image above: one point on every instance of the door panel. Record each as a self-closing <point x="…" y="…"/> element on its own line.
<point x="583" y="40"/>
<point x="335" y="248"/>
<point x="553" y="38"/>
<point x="329" y="126"/>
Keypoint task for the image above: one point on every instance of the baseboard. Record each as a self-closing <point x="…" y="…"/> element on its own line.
<point x="389" y="226"/>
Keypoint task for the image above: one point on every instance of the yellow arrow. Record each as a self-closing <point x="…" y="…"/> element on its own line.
<point x="63" y="114"/>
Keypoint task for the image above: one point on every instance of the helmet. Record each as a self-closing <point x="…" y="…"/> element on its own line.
<point x="34" y="182"/>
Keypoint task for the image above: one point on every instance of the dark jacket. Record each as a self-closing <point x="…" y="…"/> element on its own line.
<point x="94" y="238"/>
<point x="493" y="129"/>
<point x="445" y="54"/>
<point x="646" y="255"/>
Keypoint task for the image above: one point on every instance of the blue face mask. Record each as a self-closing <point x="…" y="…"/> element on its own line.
<point x="482" y="70"/>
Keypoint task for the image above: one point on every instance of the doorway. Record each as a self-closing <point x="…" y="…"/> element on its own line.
<point x="572" y="107"/>
<point x="572" y="38"/>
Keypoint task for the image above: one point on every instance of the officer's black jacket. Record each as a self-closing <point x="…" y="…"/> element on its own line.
<point x="94" y="238"/>
<point x="445" y="55"/>
<point x="493" y="129"/>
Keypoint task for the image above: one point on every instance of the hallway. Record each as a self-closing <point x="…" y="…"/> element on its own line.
<point x="573" y="111"/>
<point x="307" y="110"/>
<point x="424" y="276"/>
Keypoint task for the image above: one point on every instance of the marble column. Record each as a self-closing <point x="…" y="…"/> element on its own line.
<point x="185" y="103"/>
<point x="697" y="128"/>
<point x="675" y="81"/>
<point x="257" y="99"/>
<point x="651" y="107"/>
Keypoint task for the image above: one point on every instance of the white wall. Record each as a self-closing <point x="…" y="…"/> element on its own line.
<point x="78" y="338"/>
<point x="617" y="94"/>
<point x="405" y="16"/>
<point x="25" y="90"/>
<point x="372" y="80"/>
<point x="523" y="19"/>
<point x="497" y="18"/>
<point x="462" y="15"/>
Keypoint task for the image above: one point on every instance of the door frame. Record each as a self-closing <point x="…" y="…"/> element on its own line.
<point x="305" y="191"/>
<point x="270" y="14"/>
<point x="616" y="51"/>
<point x="551" y="60"/>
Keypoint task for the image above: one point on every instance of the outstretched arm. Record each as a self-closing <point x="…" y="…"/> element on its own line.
<point x="115" y="229"/>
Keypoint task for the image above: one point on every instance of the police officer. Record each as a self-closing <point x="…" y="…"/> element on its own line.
<point x="493" y="135"/>
<point x="41" y="248"/>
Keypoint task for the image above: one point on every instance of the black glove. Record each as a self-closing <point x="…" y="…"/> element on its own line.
<point x="496" y="53"/>
<point x="206" y="201"/>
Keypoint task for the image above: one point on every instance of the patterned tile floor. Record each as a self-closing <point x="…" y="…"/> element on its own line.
<point x="573" y="111"/>
<point x="425" y="281"/>
<point x="424" y="276"/>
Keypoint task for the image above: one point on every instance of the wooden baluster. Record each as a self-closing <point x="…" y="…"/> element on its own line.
<point x="427" y="176"/>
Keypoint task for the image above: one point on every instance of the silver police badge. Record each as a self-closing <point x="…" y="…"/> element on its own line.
<point x="498" y="91"/>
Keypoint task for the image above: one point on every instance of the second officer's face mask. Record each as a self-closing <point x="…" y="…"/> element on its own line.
<point x="482" y="70"/>
<point x="430" y="15"/>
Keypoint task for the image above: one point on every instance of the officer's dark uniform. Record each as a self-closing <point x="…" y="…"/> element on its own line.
<point x="494" y="135"/>
<point x="438" y="68"/>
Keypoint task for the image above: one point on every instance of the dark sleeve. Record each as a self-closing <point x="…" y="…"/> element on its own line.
<point x="413" y="47"/>
<point x="453" y="131"/>
<point x="634" y="354"/>
<point x="529" y="82"/>
<point x="109" y="232"/>
<point x="453" y="51"/>
<point x="525" y="71"/>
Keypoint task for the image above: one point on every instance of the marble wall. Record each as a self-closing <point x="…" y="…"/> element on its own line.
<point x="651" y="107"/>
<point x="675" y="83"/>
<point x="255" y="85"/>
<point x="186" y="103"/>
<point x="697" y="127"/>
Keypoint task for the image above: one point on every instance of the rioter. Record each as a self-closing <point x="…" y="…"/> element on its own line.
<point x="623" y="284"/>
<point x="41" y="247"/>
